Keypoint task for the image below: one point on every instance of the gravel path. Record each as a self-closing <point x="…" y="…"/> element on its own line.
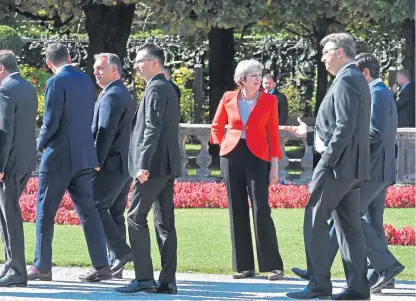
<point x="191" y="286"/>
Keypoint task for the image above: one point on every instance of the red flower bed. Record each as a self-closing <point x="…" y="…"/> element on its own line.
<point x="401" y="197"/>
<point x="210" y="195"/>
<point x="401" y="237"/>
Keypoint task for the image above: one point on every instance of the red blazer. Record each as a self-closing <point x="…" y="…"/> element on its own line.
<point x="262" y="128"/>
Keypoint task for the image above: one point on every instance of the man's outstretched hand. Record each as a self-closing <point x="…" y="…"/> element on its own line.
<point x="298" y="130"/>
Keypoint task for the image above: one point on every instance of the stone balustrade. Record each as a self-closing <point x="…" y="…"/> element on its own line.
<point x="405" y="156"/>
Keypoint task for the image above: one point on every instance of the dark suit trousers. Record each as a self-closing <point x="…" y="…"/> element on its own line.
<point x="372" y="197"/>
<point x="342" y="198"/>
<point x="157" y="191"/>
<point x="110" y="190"/>
<point x="11" y="223"/>
<point x="52" y="186"/>
<point x="244" y="174"/>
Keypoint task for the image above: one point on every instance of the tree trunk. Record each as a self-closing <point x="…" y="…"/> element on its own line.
<point x="408" y="33"/>
<point x="221" y="65"/>
<point x="321" y="30"/>
<point x="108" y="30"/>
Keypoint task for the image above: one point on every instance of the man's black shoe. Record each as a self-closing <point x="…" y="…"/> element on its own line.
<point x="119" y="263"/>
<point x="301" y="273"/>
<point x="386" y="275"/>
<point x="167" y="288"/>
<point x="136" y="286"/>
<point x="12" y="281"/>
<point x="308" y="294"/>
<point x="350" y="295"/>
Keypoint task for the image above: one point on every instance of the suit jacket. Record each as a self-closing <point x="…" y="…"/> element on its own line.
<point x="405" y="101"/>
<point x="262" y="127"/>
<point x="18" y="109"/>
<point x="65" y="135"/>
<point x="282" y="106"/>
<point x="154" y="144"/>
<point x="111" y="126"/>
<point x="343" y="123"/>
<point x="383" y="129"/>
<point x="177" y="90"/>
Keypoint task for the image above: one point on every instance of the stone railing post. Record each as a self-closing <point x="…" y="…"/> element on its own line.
<point x="405" y="140"/>
<point x="204" y="158"/>
<point x="307" y="161"/>
<point x="284" y="162"/>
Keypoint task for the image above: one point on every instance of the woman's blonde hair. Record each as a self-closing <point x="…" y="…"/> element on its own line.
<point x="243" y="68"/>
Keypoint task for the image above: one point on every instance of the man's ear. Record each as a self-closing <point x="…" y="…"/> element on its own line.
<point x="49" y="64"/>
<point x="340" y="52"/>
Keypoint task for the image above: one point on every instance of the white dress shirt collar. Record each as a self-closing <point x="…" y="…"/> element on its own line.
<point x="374" y="82"/>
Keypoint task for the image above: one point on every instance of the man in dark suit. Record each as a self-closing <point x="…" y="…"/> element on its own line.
<point x="154" y="163"/>
<point x="18" y="109"/>
<point x="111" y="127"/>
<point x="67" y="163"/>
<point x="383" y="128"/>
<point x="269" y="86"/>
<point x="167" y="72"/>
<point x="341" y="135"/>
<point x="405" y="99"/>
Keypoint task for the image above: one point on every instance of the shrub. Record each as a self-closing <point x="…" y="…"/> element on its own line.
<point x="182" y="77"/>
<point x="38" y="78"/>
<point x="292" y="92"/>
<point x="10" y="39"/>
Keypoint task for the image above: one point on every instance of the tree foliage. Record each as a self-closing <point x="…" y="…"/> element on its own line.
<point x="206" y="14"/>
<point x="10" y="39"/>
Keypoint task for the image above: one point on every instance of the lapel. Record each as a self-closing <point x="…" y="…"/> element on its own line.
<point x="156" y="77"/>
<point x="234" y="104"/>
<point x="338" y="76"/>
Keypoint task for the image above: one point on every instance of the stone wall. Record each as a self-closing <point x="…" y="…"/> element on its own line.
<point x="405" y="161"/>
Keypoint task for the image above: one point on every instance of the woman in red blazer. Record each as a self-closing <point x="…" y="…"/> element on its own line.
<point x="249" y="152"/>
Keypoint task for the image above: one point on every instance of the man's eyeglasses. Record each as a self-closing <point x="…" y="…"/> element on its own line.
<point x="325" y="52"/>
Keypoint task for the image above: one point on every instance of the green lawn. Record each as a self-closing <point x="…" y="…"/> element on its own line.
<point x="204" y="241"/>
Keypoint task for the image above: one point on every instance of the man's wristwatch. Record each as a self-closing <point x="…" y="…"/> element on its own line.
<point x="275" y="165"/>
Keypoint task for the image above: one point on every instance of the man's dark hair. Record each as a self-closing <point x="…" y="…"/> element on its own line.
<point x="369" y="61"/>
<point x="269" y="76"/>
<point x="153" y="52"/>
<point x="57" y="53"/>
<point x="8" y="60"/>
<point x="404" y="72"/>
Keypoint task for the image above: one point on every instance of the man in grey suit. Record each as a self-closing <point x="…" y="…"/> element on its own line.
<point x="341" y="135"/>
<point x="18" y="109"/>
<point x="383" y="128"/>
<point x="154" y="164"/>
